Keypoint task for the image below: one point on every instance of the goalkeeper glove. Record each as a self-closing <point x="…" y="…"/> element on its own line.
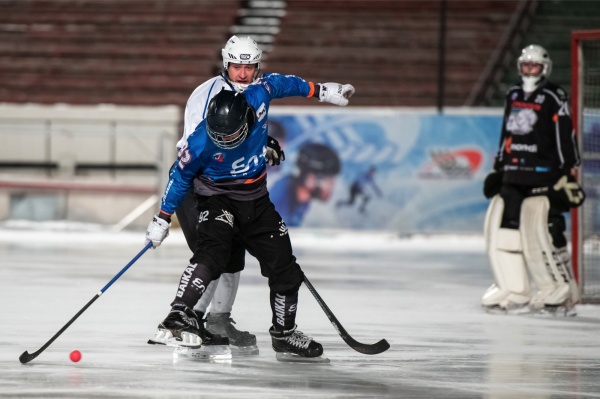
<point x="568" y="191"/>
<point x="492" y="184"/>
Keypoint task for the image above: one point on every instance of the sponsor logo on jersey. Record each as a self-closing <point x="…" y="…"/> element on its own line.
<point x="219" y="157"/>
<point x="184" y="157"/>
<point x="507" y="144"/>
<point x="241" y="167"/>
<point x="167" y="189"/>
<point x="225" y="217"/>
<point x="523" y="148"/>
<point x="526" y="105"/>
<point x="453" y="164"/>
<point x="521" y="120"/>
<point x="261" y="112"/>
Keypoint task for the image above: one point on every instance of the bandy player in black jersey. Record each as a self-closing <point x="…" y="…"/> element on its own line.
<point x="532" y="186"/>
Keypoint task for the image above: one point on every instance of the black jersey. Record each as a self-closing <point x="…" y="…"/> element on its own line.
<point x="538" y="144"/>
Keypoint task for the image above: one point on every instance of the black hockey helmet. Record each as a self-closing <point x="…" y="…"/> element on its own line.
<point x="319" y="159"/>
<point x="228" y="119"/>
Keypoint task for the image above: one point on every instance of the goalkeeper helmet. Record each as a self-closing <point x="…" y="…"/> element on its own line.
<point x="318" y="159"/>
<point x="241" y="50"/>
<point x="534" y="54"/>
<point x="228" y="119"/>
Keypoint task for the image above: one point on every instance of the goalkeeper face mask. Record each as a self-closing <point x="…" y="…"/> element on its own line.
<point x="534" y="65"/>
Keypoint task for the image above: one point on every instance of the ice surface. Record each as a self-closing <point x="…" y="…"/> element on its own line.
<point x="420" y="293"/>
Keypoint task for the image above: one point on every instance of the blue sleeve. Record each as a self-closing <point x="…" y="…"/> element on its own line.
<point x="281" y="86"/>
<point x="182" y="174"/>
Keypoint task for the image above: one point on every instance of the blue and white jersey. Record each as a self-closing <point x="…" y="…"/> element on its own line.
<point x="197" y="105"/>
<point x="238" y="173"/>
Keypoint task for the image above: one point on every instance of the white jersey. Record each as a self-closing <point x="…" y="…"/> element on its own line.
<point x="197" y="105"/>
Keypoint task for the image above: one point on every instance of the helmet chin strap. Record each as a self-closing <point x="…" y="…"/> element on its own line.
<point x="239" y="87"/>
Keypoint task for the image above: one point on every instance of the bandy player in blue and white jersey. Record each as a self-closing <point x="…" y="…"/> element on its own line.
<point x="225" y="161"/>
<point x="241" y="66"/>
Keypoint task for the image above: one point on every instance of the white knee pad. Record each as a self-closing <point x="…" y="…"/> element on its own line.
<point x="505" y="255"/>
<point x="550" y="267"/>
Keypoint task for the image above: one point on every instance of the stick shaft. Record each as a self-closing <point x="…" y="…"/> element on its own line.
<point x="27" y="357"/>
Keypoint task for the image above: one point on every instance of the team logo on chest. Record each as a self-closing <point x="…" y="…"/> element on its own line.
<point x="219" y="157"/>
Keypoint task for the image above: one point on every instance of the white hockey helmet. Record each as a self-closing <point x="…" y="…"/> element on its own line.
<point x="538" y="55"/>
<point x="241" y="50"/>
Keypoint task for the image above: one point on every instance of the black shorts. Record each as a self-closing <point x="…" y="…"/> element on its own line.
<point x="260" y="229"/>
<point x="187" y="215"/>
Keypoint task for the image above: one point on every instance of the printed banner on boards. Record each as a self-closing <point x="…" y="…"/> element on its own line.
<point x="408" y="172"/>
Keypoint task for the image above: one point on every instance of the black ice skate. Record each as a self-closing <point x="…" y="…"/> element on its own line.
<point x="293" y="346"/>
<point x="180" y="328"/>
<point x="214" y="347"/>
<point x="241" y="342"/>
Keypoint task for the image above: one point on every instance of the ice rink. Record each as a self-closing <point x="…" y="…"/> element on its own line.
<point x="419" y="293"/>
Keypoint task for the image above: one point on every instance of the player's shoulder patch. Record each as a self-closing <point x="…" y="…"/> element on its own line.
<point x="558" y="91"/>
<point x="512" y="89"/>
<point x="562" y="94"/>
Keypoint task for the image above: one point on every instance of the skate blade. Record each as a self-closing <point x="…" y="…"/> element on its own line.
<point x="188" y="340"/>
<point x="160" y="337"/>
<point x="293" y="358"/>
<point x="244" y="350"/>
<point x="558" y="311"/>
<point x="511" y="311"/>
<point x="210" y="353"/>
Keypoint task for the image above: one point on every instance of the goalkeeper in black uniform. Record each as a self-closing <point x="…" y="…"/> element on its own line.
<point x="531" y="186"/>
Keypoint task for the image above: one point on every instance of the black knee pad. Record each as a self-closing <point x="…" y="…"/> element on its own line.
<point x="237" y="260"/>
<point x="287" y="280"/>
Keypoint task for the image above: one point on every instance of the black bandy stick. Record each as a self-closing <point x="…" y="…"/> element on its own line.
<point x="27" y="357"/>
<point x="367" y="349"/>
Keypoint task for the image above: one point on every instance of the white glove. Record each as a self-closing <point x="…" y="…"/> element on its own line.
<point x="335" y="93"/>
<point x="157" y="231"/>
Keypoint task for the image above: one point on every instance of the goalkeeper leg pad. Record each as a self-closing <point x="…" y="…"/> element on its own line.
<point x="550" y="267"/>
<point x="504" y="248"/>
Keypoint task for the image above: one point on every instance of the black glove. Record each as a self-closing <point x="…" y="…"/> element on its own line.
<point x="567" y="191"/>
<point x="492" y="184"/>
<point x="274" y="152"/>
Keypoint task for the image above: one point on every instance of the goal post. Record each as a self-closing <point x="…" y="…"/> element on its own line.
<point x="585" y="220"/>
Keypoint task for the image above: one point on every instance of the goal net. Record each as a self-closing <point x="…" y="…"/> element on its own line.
<point x="585" y="57"/>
